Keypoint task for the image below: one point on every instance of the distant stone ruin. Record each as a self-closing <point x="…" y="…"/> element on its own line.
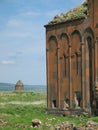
<point x="19" y="86"/>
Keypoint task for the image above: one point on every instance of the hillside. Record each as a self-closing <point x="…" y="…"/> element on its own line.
<point x="27" y="88"/>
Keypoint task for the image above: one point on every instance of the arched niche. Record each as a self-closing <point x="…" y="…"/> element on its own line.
<point x="88" y="36"/>
<point x="64" y="43"/>
<point x="76" y="65"/>
<point x="88" y="32"/>
<point x="64" y="52"/>
<point x="64" y="67"/>
<point x="89" y="63"/>
<point x="53" y="71"/>
<point x="52" y="43"/>
<point x="75" y="41"/>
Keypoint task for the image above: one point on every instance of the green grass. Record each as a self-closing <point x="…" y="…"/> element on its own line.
<point x="21" y="96"/>
<point x="19" y="116"/>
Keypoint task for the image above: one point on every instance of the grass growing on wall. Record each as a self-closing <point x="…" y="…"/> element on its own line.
<point x="78" y="12"/>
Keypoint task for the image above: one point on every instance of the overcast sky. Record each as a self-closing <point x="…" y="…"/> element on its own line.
<point x="22" y="38"/>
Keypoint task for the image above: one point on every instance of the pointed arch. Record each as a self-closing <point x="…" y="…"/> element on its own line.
<point x="76" y="39"/>
<point x="88" y="32"/>
<point x="52" y="37"/>
<point x="64" y="35"/>
<point x="52" y="43"/>
<point x="78" y="33"/>
<point x="64" y="43"/>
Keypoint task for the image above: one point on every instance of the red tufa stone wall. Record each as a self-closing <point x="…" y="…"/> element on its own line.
<point x="72" y="61"/>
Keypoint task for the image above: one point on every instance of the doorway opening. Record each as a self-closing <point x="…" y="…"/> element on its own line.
<point x="54" y="104"/>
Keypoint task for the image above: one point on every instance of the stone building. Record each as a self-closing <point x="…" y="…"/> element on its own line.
<point x="72" y="60"/>
<point x="19" y="86"/>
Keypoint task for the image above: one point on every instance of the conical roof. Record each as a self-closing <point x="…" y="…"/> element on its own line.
<point x="19" y="83"/>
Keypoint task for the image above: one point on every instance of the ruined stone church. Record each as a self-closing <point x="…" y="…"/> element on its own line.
<point x="72" y="60"/>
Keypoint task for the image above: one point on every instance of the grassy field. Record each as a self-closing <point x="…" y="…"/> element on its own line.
<point x="17" y="109"/>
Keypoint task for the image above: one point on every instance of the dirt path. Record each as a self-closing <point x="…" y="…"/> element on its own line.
<point x="25" y="103"/>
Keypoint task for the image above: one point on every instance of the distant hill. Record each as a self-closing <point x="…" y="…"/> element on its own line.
<point x="27" y="88"/>
<point x="6" y="84"/>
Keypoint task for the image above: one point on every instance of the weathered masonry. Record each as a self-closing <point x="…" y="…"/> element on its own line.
<point x="72" y="60"/>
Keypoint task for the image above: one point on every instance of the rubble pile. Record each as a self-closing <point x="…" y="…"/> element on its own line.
<point x="90" y="125"/>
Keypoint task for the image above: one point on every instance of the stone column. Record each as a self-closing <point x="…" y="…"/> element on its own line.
<point x="47" y="72"/>
<point x="70" y="78"/>
<point x="96" y="70"/>
<point x="96" y="66"/>
<point x="83" y="75"/>
<point x="58" y="84"/>
<point x="87" y="74"/>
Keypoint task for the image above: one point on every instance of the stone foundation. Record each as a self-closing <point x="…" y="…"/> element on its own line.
<point x="71" y="112"/>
